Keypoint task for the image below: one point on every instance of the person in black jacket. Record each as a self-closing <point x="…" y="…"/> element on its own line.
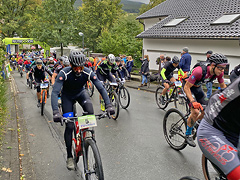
<point x="144" y="70"/>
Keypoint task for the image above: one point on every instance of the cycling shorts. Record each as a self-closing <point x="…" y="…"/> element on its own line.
<point x="216" y="146"/>
<point x="103" y="78"/>
<point x="198" y="94"/>
<point x="167" y="78"/>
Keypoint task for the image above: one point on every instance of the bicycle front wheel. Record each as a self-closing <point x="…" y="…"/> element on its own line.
<point x="180" y="101"/>
<point x="211" y="171"/>
<point x="43" y="102"/>
<point x="158" y="97"/>
<point x="114" y="99"/>
<point x="94" y="163"/>
<point x="124" y="97"/>
<point x="174" y="128"/>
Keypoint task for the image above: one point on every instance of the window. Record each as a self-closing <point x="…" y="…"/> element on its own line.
<point x="175" y="22"/>
<point x="227" y="19"/>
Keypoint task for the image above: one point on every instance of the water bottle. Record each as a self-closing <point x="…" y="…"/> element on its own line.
<point x="170" y="92"/>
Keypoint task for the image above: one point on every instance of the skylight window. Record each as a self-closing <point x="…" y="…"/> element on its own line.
<point x="227" y="19"/>
<point x="175" y="22"/>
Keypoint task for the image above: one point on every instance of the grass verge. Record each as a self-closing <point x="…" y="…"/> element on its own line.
<point x="3" y="107"/>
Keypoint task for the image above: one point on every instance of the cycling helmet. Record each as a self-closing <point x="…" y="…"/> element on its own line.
<point x="51" y="59"/>
<point x="76" y="58"/>
<point x="39" y="61"/>
<point x="218" y="58"/>
<point x="111" y="58"/>
<point x="118" y="59"/>
<point x="175" y="60"/>
<point x="65" y="60"/>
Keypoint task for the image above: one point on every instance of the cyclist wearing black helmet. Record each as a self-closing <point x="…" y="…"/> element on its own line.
<point x="64" y="62"/>
<point x="219" y="130"/>
<point x="38" y="71"/>
<point x="167" y="74"/>
<point x="192" y="85"/>
<point x="71" y="80"/>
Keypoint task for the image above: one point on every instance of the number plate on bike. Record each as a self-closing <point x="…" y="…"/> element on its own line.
<point x="87" y="121"/>
<point x="44" y="85"/>
<point x="178" y="83"/>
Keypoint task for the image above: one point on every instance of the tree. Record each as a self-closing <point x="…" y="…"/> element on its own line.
<point x="15" y="16"/>
<point x="152" y="4"/>
<point x="94" y="16"/>
<point x="121" y="38"/>
<point x="54" y="22"/>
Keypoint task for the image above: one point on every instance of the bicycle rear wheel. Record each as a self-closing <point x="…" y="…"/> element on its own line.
<point x="94" y="162"/>
<point x="114" y="99"/>
<point x="124" y="97"/>
<point x="158" y="97"/>
<point x="211" y="171"/>
<point x="43" y="102"/>
<point x="180" y="101"/>
<point x="174" y="128"/>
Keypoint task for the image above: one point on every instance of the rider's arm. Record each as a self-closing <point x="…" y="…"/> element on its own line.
<point x="100" y="88"/>
<point x="188" y="92"/>
<point x="222" y="85"/>
<point x="48" y="71"/>
<point x="163" y="73"/>
<point x="53" y="77"/>
<point x="181" y="71"/>
<point x="56" y="89"/>
<point x="221" y="81"/>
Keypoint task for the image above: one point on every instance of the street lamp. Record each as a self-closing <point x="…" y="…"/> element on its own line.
<point x="81" y="34"/>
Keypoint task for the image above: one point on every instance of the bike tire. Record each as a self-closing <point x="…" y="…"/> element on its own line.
<point x="189" y="178"/>
<point x="21" y="73"/>
<point x="158" y="94"/>
<point x="90" y="88"/>
<point x="180" y="101"/>
<point x="211" y="171"/>
<point x="30" y="84"/>
<point x="114" y="100"/>
<point x="43" y="103"/>
<point x="92" y="154"/>
<point x="75" y="156"/>
<point x="174" y="128"/>
<point x="124" y="97"/>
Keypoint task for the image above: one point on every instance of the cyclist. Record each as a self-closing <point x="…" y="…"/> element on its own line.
<point x="27" y="64"/>
<point x="235" y="73"/>
<point x="71" y="80"/>
<point x="192" y="85"/>
<point x="38" y="72"/>
<point x="167" y="74"/>
<point x="64" y="63"/>
<point x="218" y="133"/>
<point x="106" y="68"/>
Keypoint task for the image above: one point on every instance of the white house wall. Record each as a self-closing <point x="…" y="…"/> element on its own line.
<point x="197" y="49"/>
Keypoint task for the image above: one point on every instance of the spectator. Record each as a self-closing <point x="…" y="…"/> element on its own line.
<point x="185" y="61"/>
<point x="161" y="62"/>
<point x="129" y="65"/>
<point x="209" y="84"/>
<point x="168" y="58"/>
<point x="124" y="58"/>
<point x="144" y="70"/>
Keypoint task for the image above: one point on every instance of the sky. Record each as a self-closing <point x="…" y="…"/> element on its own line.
<point x="143" y="1"/>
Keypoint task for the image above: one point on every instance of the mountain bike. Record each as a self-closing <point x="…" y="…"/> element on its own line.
<point x="84" y="144"/>
<point x="189" y="178"/>
<point x="30" y="83"/>
<point x="123" y="95"/>
<point x="111" y="90"/>
<point x="90" y="88"/>
<point x="43" y="100"/>
<point x="175" y="93"/>
<point x="175" y="126"/>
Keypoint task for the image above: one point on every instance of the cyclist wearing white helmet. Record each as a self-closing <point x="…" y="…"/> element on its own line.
<point x="107" y="68"/>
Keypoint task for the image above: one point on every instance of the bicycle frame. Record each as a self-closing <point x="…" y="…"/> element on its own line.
<point x="43" y="91"/>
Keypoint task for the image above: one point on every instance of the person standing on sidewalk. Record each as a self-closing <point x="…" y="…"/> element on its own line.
<point x="144" y="70"/>
<point x="185" y="61"/>
<point x="210" y="83"/>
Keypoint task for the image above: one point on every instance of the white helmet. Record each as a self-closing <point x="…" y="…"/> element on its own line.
<point x="111" y="58"/>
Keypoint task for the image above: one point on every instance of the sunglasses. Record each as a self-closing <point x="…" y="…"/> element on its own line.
<point x="39" y="65"/>
<point x="78" y="68"/>
<point x="221" y="68"/>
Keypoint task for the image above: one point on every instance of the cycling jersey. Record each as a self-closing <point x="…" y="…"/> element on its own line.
<point x="72" y="85"/>
<point x="27" y="65"/>
<point x="58" y="69"/>
<point x="195" y="76"/>
<point x="105" y="68"/>
<point x="167" y="70"/>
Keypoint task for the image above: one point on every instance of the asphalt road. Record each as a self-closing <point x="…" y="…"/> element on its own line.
<point x="132" y="148"/>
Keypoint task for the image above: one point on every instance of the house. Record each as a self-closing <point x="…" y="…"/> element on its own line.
<point x="200" y="25"/>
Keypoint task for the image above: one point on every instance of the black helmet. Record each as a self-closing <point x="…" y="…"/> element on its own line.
<point x="175" y="60"/>
<point x="217" y="58"/>
<point x="76" y="58"/>
<point x="118" y="59"/>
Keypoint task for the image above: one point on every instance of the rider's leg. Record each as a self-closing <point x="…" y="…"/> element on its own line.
<point x="166" y="87"/>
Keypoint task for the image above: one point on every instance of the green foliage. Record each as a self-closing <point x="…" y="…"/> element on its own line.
<point x="94" y="16"/>
<point x="120" y="39"/>
<point x="15" y="16"/>
<point x="152" y="4"/>
<point x="54" y="22"/>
